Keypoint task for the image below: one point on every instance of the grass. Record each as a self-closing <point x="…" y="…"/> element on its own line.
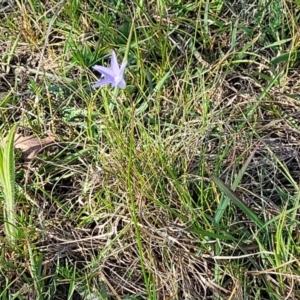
<point x="184" y="185"/>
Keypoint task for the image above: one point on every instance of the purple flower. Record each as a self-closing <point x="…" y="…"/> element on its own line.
<point x="113" y="75"/>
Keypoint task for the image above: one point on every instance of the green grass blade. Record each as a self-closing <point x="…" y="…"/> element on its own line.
<point x="213" y="235"/>
<point x="7" y="178"/>
<point x="237" y="202"/>
<point x="286" y="57"/>
<point x="225" y="200"/>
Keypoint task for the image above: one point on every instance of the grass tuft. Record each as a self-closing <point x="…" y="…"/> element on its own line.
<point x="184" y="185"/>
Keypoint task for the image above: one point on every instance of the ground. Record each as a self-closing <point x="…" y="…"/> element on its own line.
<point x="183" y="185"/>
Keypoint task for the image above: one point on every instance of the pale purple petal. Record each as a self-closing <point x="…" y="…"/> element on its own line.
<point x="114" y="63"/>
<point x="104" y="71"/>
<point x="121" y="84"/>
<point x="103" y="82"/>
<point x="123" y="66"/>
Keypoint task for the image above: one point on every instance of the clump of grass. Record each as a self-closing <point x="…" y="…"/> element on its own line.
<point x="183" y="185"/>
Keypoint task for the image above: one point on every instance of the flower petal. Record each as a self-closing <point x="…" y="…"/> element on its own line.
<point x="104" y="71"/>
<point x="120" y="84"/>
<point x="123" y="66"/>
<point x="114" y="63"/>
<point x="103" y="82"/>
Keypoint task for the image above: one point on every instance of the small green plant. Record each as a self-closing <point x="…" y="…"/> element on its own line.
<point x="7" y="179"/>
